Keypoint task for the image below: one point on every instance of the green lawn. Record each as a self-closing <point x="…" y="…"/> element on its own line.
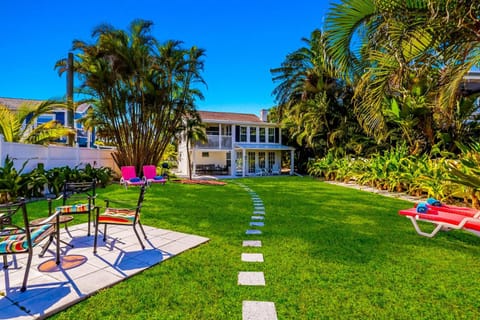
<point x="330" y="252"/>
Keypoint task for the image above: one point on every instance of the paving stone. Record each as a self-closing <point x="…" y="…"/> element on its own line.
<point x="249" y="278"/>
<point x="252" y="243"/>
<point x="253" y="232"/>
<point x="258" y="211"/>
<point x="257" y="224"/>
<point x="258" y="310"/>
<point x="258" y="217"/>
<point x="252" y="257"/>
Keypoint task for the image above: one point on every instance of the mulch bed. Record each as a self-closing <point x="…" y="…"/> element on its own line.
<point x="204" y="182"/>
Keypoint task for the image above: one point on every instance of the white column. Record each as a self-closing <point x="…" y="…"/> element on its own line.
<point x="292" y="159"/>
<point x="244" y="157"/>
<point x="233" y="162"/>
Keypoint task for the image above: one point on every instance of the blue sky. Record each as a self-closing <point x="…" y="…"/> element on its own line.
<point x="243" y="40"/>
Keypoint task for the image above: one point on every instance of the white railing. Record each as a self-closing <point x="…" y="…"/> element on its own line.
<point x="53" y="156"/>
<point x="216" y="142"/>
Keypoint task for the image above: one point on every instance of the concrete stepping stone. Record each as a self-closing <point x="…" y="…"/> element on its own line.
<point x="253" y="232"/>
<point x="252" y="243"/>
<point x="258" y="310"/>
<point x="259" y="212"/>
<point x="252" y="257"/>
<point x="258" y="217"/>
<point x="257" y="224"/>
<point x="249" y="278"/>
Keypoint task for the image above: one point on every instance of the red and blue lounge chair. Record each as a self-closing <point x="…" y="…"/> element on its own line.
<point x="129" y="177"/>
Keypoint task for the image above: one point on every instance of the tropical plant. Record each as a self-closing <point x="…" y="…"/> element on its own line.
<point x="11" y="180"/>
<point x="142" y="90"/>
<point x="407" y="65"/>
<point x="21" y="126"/>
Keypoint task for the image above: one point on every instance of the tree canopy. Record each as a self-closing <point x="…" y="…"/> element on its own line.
<point x="141" y="89"/>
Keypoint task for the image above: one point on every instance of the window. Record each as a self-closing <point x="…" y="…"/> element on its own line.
<point x="213" y="131"/>
<point x="205" y="155"/>
<point x="226" y="130"/>
<point x="262" y="135"/>
<point x="243" y="134"/>
<point x="261" y="160"/>
<point x="253" y="134"/>
<point x="271" y="159"/>
<point x="44" y="118"/>
<point x="271" y="135"/>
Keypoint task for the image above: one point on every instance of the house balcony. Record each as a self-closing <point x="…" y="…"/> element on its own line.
<point x="216" y="142"/>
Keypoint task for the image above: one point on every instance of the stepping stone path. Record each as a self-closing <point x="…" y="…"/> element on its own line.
<point x="255" y="310"/>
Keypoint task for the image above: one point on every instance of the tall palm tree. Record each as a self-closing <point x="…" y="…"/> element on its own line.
<point x="194" y="131"/>
<point x="21" y="126"/>
<point x="142" y="89"/>
<point x="312" y="102"/>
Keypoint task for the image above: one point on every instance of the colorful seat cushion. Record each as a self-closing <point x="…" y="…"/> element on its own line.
<point x="15" y="240"/>
<point x="134" y="180"/>
<point x="73" y="208"/>
<point x="117" y="216"/>
<point x="158" y="178"/>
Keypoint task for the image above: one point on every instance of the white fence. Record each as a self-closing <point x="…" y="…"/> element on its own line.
<point x="54" y="156"/>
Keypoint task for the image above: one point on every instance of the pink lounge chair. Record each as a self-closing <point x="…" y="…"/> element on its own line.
<point x="129" y="177"/>
<point x="150" y="175"/>
<point x="443" y="220"/>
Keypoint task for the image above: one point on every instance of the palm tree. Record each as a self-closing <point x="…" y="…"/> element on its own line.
<point x="21" y="126"/>
<point x="194" y="131"/>
<point x="312" y="102"/>
<point x="142" y="89"/>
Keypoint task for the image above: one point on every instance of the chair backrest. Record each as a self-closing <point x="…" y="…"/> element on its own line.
<point x="128" y="172"/>
<point x="149" y="171"/>
<point x="87" y="188"/>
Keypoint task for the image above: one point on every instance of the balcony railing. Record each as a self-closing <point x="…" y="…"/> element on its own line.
<point x="216" y="142"/>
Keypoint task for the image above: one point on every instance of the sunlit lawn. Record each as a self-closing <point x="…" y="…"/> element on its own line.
<point x="330" y="252"/>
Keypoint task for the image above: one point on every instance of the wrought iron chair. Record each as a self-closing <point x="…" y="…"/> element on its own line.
<point x="16" y="239"/>
<point x="120" y="216"/>
<point x="78" y="198"/>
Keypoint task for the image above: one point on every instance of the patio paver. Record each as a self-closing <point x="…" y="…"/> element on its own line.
<point x="250" y="278"/>
<point x="258" y="310"/>
<point x="252" y="243"/>
<point x="252" y="257"/>
<point x="253" y="231"/>
<point x="52" y="288"/>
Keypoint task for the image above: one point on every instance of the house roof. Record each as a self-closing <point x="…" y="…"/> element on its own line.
<point x="15" y="103"/>
<point x="228" y="117"/>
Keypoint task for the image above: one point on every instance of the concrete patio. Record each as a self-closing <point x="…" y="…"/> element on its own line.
<point x="52" y="288"/>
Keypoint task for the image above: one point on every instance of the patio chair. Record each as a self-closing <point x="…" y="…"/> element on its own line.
<point x="443" y="220"/>
<point x="150" y="175"/>
<point x="126" y="215"/>
<point x="16" y="239"/>
<point x="275" y="169"/>
<point x="78" y="198"/>
<point x="129" y="177"/>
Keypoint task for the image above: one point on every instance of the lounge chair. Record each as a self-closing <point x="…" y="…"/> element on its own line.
<point x="150" y="175"/>
<point x="21" y="239"/>
<point x="129" y="177"/>
<point x="443" y="220"/>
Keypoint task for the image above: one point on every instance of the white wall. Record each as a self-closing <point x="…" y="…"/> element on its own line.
<point x="54" y="156"/>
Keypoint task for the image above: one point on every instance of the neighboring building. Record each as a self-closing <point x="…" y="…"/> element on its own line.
<point x="83" y="137"/>
<point x="238" y="144"/>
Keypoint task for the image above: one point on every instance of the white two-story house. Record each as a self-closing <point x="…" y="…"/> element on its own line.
<point x="238" y="144"/>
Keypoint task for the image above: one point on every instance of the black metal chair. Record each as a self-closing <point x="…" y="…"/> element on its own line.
<point x="16" y="239"/>
<point x="78" y="198"/>
<point x="126" y="215"/>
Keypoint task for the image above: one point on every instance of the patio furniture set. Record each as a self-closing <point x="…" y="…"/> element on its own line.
<point x="78" y="198"/>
